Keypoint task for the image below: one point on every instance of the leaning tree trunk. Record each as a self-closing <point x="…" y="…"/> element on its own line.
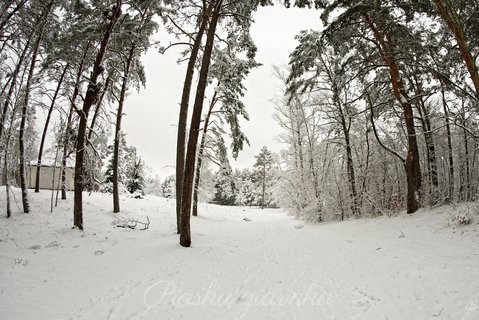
<point x="68" y="125"/>
<point x="25" y="109"/>
<point x="23" y="122"/>
<point x="199" y="163"/>
<point x="6" y="19"/>
<point x="92" y="92"/>
<point x="65" y="154"/>
<point x="183" y="117"/>
<point x="200" y="155"/>
<point x="98" y="106"/>
<point x="185" y="235"/>
<point x="451" y="19"/>
<point x="7" y="145"/>
<point x="45" y="128"/>
<point x="412" y="164"/>
<point x="116" y="145"/>
<point x="6" y="169"/>
<point x="13" y="84"/>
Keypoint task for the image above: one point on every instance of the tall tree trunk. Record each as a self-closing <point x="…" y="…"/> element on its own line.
<point x="7" y="184"/>
<point x="5" y="17"/>
<point x="466" y="185"/>
<point x="25" y="108"/>
<point x="45" y="128"/>
<point x="412" y="164"/>
<point x="98" y="106"/>
<point x="183" y="116"/>
<point x="428" y="137"/>
<point x="92" y="93"/>
<point x="23" y="122"/>
<point x="6" y="165"/>
<point x="345" y="126"/>
<point x="449" y="145"/>
<point x="452" y="21"/>
<point x="185" y="235"/>
<point x="312" y="166"/>
<point x="116" y="145"/>
<point x="349" y="156"/>
<point x="199" y="161"/>
<point x="263" y="186"/>
<point x="365" y="171"/>
<point x="13" y="84"/>
<point x="6" y="168"/>
<point x="65" y="153"/>
<point x="68" y="124"/>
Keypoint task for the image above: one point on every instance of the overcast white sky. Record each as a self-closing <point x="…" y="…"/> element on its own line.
<point x="152" y="115"/>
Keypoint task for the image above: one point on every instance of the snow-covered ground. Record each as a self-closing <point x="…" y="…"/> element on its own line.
<point x="271" y="267"/>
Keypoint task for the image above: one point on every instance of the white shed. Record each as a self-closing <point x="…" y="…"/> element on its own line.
<point x="47" y="181"/>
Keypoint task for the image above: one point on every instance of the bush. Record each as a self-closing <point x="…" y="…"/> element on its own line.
<point x="460" y="218"/>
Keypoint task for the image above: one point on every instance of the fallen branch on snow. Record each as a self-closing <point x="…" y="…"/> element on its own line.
<point x="133" y="223"/>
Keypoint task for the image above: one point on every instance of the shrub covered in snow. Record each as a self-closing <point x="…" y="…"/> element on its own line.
<point x="460" y="218"/>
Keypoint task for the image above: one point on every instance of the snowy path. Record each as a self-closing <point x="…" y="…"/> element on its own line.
<point x="272" y="267"/>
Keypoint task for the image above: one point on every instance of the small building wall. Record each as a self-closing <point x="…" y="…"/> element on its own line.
<point x="46" y="177"/>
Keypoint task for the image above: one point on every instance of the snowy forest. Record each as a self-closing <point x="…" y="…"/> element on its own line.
<point x="378" y="113"/>
<point x="378" y="117"/>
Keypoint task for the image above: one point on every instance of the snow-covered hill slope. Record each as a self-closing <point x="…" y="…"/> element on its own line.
<point x="270" y="267"/>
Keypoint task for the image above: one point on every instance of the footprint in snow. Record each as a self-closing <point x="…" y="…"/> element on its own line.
<point x="299" y="226"/>
<point x="53" y="244"/>
<point x="98" y="252"/>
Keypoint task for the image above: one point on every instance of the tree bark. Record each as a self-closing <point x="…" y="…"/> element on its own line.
<point x="7" y="185"/>
<point x="312" y="166"/>
<point x="7" y="18"/>
<point x="116" y="145"/>
<point x="263" y="186"/>
<point x="13" y="84"/>
<point x="92" y="92"/>
<point x="25" y="109"/>
<point x="185" y="235"/>
<point x="98" y="106"/>
<point x="428" y="137"/>
<point x="68" y="125"/>
<point x="451" y="19"/>
<point x="45" y="128"/>
<point x="466" y="184"/>
<point x="183" y="116"/>
<point x="449" y="146"/>
<point x="412" y="164"/>
<point x="199" y="161"/>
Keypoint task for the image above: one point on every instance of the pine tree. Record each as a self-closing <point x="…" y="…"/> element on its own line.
<point x="263" y="165"/>
<point x="135" y="181"/>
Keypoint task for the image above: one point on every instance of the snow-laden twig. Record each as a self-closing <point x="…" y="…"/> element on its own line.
<point x="133" y="223"/>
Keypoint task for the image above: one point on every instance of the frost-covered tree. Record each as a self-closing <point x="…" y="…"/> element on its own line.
<point x="247" y="191"/>
<point x="228" y="71"/>
<point x="137" y="27"/>
<point x="135" y="180"/>
<point x="93" y="89"/>
<point x="234" y="16"/>
<point x="168" y="187"/>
